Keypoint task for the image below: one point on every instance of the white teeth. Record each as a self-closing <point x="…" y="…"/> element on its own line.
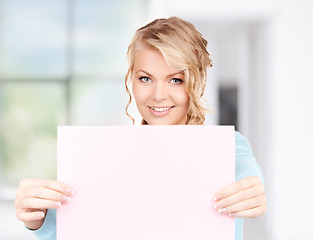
<point x="160" y="109"/>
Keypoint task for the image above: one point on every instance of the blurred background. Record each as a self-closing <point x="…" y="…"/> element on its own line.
<point x="62" y="62"/>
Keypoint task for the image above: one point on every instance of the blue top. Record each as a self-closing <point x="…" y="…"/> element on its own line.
<point x="246" y="166"/>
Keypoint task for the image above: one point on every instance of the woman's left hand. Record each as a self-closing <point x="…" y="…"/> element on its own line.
<point x="244" y="198"/>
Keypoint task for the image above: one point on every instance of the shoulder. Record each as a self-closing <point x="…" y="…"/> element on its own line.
<point x="240" y="138"/>
<point x="242" y="143"/>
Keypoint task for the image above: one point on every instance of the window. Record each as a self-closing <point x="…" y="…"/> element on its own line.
<point x="61" y="63"/>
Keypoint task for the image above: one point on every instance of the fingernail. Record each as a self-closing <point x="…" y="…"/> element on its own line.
<point x="66" y="199"/>
<point x="232" y="214"/>
<point x="70" y="191"/>
<point x="217" y="205"/>
<point x="218" y="197"/>
<point x="57" y="204"/>
<point x="40" y="215"/>
<point x="221" y="210"/>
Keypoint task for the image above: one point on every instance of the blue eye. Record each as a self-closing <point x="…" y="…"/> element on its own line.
<point x="177" y="80"/>
<point x="144" y="79"/>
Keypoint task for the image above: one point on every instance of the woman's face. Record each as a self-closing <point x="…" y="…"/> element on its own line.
<point x="159" y="89"/>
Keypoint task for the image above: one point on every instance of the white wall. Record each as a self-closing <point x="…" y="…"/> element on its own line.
<point x="291" y="118"/>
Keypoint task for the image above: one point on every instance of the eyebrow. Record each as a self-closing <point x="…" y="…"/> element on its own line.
<point x="170" y="75"/>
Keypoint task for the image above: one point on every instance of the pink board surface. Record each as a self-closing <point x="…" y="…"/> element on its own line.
<point x="145" y="182"/>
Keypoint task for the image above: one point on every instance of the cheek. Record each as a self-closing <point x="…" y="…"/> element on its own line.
<point x="139" y="94"/>
<point x="182" y="97"/>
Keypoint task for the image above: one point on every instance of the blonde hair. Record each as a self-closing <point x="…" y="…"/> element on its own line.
<point x="182" y="46"/>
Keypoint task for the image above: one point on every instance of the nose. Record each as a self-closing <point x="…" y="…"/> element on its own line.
<point x="159" y="92"/>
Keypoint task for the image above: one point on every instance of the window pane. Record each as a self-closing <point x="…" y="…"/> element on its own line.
<point x="103" y="30"/>
<point x="99" y="102"/>
<point x="33" y="39"/>
<point x="29" y="115"/>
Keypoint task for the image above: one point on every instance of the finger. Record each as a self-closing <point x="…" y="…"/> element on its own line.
<point x="51" y="184"/>
<point x="244" y="205"/>
<point x="45" y="193"/>
<point x="237" y="186"/>
<point x="30" y="216"/>
<point x="35" y="203"/>
<point x="250" y="213"/>
<point x="240" y="196"/>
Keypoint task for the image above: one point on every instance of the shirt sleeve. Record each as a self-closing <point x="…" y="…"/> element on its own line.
<point x="246" y="164"/>
<point x="48" y="228"/>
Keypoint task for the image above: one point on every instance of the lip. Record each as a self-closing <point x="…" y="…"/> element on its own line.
<point x="160" y="114"/>
<point x="160" y="106"/>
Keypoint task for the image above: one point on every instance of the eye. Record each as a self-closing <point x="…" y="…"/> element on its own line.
<point x="177" y="81"/>
<point x="144" y="79"/>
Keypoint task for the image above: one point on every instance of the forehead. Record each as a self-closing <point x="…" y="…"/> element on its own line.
<point x="151" y="60"/>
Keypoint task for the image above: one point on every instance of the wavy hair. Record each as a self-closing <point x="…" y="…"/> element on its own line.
<point x="182" y="46"/>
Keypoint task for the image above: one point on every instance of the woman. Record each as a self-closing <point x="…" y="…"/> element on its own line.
<point x="168" y="64"/>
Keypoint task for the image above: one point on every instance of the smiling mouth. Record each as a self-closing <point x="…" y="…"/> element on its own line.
<point x="160" y="109"/>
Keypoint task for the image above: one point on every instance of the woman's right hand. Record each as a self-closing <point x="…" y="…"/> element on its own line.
<point x="35" y="196"/>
